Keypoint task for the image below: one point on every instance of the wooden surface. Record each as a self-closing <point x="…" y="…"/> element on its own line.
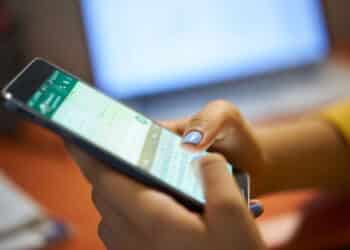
<point x="37" y="161"/>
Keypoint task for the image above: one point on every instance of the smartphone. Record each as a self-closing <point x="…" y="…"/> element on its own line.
<point x="115" y="134"/>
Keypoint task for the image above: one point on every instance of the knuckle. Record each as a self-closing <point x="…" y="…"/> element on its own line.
<point x="220" y="103"/>
<point x="89" y="173"/>
<point x="98" y="202"/>
<point x="104" y="233"/>
<point x="233" y="114"/>
<point x="94" y="196"/>
<point x="198" y="120"/>
<point x="228" y="111"/>
<point x="224" y="105"/>
<point x="101" y="231"/>
<point x="212" y="159"/>
<point x="227" y="206"/>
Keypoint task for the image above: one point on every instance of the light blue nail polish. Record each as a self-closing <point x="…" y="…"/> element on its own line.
<point x="193" y="137"/>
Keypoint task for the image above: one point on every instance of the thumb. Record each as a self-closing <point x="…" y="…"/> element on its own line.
<point x="226" y="214"/>
<point x="221" y="192"/>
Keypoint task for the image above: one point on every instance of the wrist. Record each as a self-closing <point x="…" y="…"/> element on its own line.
<point x="261" y="180"/>
<point x="271" y="170"/>
<point x="305" y="153"/>
<point x="260" y="174"/>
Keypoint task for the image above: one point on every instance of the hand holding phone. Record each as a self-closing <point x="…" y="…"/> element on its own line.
<point x="139" y="216"/>
<point x="123" y="139"/>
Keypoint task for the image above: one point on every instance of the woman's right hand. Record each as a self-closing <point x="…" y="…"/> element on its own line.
<point x="220" y="127"/>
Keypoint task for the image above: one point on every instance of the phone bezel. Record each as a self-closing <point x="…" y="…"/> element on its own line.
<point x="23" y="86"/>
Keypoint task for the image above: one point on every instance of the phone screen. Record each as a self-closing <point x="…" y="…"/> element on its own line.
<point x="118" y="130"/>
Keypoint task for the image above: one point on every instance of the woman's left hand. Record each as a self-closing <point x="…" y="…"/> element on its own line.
<point x="137" y="217"/>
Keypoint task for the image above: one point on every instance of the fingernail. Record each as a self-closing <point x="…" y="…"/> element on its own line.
<point x="193" y="137"/>
<point x="256" y="209"/>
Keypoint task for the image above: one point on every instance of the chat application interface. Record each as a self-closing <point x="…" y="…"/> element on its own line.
<point x="118" y="130"/>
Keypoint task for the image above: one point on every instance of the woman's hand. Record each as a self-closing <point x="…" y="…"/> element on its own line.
<point x="296" y="154"/>
<point x="137" y="217"/>
<point x="220" y="127"/>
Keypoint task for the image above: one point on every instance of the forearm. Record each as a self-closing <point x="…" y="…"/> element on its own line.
<point x="304" y="154"/>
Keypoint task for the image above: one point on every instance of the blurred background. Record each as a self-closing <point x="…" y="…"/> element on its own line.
<point x="275" y="60"/>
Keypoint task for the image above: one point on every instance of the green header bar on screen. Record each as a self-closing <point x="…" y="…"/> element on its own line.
<point x="47" y="99"/>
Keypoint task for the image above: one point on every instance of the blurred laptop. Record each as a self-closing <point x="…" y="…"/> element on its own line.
<point x="168" y="58"/>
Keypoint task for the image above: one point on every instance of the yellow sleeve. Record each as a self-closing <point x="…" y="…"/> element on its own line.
<point x="339" y="115"/>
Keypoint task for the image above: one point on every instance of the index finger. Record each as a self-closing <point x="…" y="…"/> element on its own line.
<point x="226" y="213"/>
<point x="177" y="126"/>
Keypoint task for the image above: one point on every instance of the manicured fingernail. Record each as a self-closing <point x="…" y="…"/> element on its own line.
<point x="193" y="137"/>
<point x="256" y="209"/>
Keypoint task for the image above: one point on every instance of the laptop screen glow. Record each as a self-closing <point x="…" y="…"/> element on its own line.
<point x="146" y="47"/>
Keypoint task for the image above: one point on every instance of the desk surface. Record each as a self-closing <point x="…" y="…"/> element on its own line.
<point x="36" y="160"/>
